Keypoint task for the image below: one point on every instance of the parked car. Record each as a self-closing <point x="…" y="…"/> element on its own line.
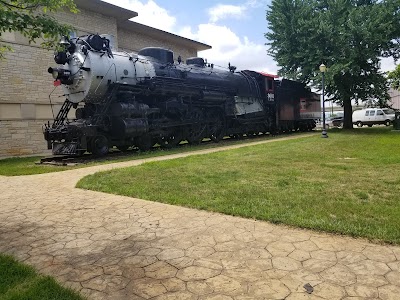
<point x="334" y="122"/>
<point x="372" y="116"/>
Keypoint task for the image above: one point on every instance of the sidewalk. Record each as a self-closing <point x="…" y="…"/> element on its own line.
<point x="115" y="247"/>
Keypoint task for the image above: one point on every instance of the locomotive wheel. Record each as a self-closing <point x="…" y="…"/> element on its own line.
<point x="251" y="134"/>
<point x="217" y="133"/>
<point x="236" y="136"/>
<point x="170" y="141"/>
<point x="196" y="130"/>
<point x="145" y="143"/>
<point x="195" y="135"/>
<point x="195" y="139"/>
<point x="123" y="148"/>
<point x="100" y="145"/>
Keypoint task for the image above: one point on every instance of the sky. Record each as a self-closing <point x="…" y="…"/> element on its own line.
<point x="234" y="28"/>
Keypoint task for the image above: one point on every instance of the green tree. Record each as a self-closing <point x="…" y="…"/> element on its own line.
<point x="394" y="78"/>
<point x="348" y="36"/>
<point x="32" y="19"/>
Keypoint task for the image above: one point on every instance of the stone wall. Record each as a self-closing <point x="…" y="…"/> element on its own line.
<point x="22" y="137"/>
<point x="24" y="77"/>
<point x="87" y="22"/>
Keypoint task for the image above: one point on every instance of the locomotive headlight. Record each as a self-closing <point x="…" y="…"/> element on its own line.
<point x="61" y="74"/>
<point x="53" y="72"/>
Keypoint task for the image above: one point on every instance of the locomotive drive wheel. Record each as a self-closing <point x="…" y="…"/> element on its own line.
<point x="195" y="136"/>
<point x="217" y="132"/>
<point x="196" y="130"/>
<point x="251" y="134"/>
<point x="196" y="133"/>
<point x="144" y="143"/>
<point x="123" y="148"/>
<point x="170" y="141"/>
<point x="100" y="145"/>
<point x="237" y="136"/>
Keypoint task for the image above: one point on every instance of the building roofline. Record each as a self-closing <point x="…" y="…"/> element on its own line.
<point x="106" y="9"/>
<point x="122" y="15"/>
<point x="161" y="34"/>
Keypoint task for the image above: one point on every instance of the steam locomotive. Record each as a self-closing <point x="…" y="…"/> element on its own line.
<point x="138" y="100"/>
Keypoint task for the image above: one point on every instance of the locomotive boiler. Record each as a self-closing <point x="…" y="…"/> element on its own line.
<point x="138" y="100"/>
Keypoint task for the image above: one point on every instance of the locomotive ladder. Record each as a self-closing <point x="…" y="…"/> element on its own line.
<point x="62" y="114"/>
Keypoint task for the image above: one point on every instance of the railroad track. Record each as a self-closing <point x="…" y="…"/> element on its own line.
<point x="114" y="154"/>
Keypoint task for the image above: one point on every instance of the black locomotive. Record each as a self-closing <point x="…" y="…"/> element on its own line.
<point x="139" y="100"/>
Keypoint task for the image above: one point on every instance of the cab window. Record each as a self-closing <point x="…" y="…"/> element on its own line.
<point x="270" y="84"/>
<point x="379" y="112"/>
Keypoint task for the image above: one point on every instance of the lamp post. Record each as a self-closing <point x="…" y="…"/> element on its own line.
<point x="322" y="68"/>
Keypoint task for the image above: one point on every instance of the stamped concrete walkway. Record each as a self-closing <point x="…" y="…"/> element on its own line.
<point x="114" y="247"/>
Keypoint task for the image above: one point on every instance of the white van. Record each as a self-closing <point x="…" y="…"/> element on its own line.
<point x="371" y="116"/>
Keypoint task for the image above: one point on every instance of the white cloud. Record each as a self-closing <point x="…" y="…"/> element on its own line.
<point x="149" y="13"/>
<point x="227" y="46"/>
<point x="222" y="11"/>
<point x="240" y="52"/>
<point x="387" y="64"/>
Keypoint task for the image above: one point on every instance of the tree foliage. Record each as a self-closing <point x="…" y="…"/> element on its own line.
<point x="394" y="78"/>
<point x="348" y="36"/>
<point x="32" y="19"/>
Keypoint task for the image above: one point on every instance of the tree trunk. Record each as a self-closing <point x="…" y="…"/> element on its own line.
<point x="348" y="112"/>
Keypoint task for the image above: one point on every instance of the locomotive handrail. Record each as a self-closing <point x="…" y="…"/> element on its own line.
<point x="101" y="81"/>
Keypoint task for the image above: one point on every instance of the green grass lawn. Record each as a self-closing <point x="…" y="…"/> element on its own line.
<point x="21" y="282"/>
<point x="347" y="184"/>
<point x="17" y="166"/>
